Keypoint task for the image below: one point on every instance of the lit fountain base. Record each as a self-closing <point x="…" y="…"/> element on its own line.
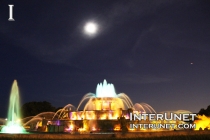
<point x="12" y="127"/>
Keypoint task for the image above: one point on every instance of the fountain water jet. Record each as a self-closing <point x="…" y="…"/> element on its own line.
<point x="13" y="124"/>
<point x="62" y="111"/>
<point x="105" y="90"/>
<point x="38" y="117"/>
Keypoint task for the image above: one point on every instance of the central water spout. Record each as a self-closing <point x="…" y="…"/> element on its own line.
<point x="105" y="90"/>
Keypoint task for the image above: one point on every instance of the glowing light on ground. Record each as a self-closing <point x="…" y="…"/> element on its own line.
<point x="202" y="122"/>
<point x="12" y="127"/>
<point x="70" y="128"/>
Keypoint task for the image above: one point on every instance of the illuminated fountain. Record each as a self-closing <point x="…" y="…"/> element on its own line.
<point x="13" y="124"/>
<point x="104" y="110"/>
<point x="105" y="101"/>
<point x="104" y="105"/>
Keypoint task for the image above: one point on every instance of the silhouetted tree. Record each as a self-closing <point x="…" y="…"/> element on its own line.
<point x="34" y="108"/>
<point x="205" y="112"/>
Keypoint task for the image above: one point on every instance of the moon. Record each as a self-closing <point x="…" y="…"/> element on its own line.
<point x="91" y="28"/>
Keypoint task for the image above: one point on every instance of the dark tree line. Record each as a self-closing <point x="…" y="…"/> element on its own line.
<point x="34" y="108"/>
<point x="205" y="112"/>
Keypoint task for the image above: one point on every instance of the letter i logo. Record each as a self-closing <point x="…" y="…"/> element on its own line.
<point x="11" y="13"/>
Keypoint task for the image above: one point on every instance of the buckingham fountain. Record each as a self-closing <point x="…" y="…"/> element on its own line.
<point x="103" y="110"/>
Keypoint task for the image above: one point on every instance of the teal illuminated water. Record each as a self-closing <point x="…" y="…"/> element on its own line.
<point x="13" y="124"/>
<point x="105" y="90"/>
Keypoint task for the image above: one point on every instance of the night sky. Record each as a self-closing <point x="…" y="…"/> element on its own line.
<point x="155" y="51"/>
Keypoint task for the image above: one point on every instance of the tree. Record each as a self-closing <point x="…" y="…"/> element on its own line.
<point x="205" y="112"/>
<point x="34" y="108"/>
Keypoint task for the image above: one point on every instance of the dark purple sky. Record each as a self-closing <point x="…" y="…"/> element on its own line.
<point x="144" y="47"/>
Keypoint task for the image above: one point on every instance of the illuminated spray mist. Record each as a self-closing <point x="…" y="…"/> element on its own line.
<point x="13" y="119"/>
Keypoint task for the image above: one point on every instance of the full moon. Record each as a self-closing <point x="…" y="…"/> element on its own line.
<point x="91" y="28"/>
